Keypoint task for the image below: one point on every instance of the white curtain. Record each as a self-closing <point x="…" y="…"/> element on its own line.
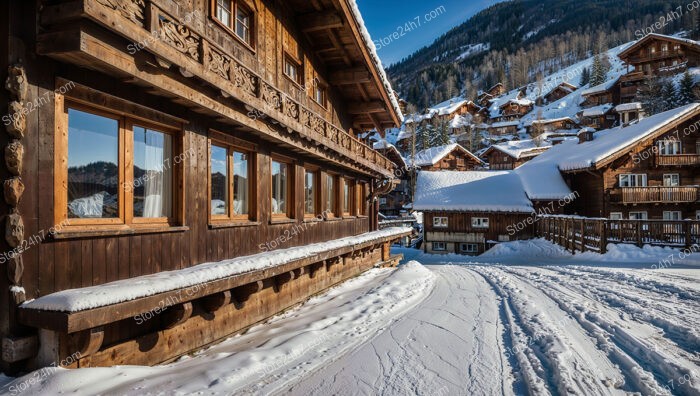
<point x="158" y="180"/>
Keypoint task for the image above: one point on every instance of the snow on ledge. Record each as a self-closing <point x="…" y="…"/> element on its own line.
<point x="75" y="300"/>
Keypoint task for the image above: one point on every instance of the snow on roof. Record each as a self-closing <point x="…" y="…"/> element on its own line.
<point x="377" y="61"/>
<point x="628" y="107"/>
<point x="448" y="106"/>
<point x="600" y="88"/>
<point x="519" y="102"/>
<point x="471" y="191"/>
<point x="504" y="124"/>
<point x="433" y="155"/>
<point x="542" y="177"/>
<point x="522" y="148"/>
<point x="384" y="145"/>
<point x="460" y="121"/>
<point x="552" y="120"/>
<point x="597" y="111"/>
<point x="75" y="300"/>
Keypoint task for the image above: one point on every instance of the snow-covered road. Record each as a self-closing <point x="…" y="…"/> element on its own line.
<point x="563" y="327"/>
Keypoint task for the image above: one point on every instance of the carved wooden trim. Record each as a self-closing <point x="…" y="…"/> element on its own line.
<point x="177" y="315"/>
<point x="89" y="341"/>
<point x="216" y="301"/>
<point x="242" y="294"/>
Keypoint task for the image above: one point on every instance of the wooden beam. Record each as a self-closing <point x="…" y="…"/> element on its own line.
<point x="366" y="107"/>
<point x="17" y="349"/>
<point x="316" y="21"/>
<point x="350" y="76"/>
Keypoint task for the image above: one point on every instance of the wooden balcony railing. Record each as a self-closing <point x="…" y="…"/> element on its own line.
<point x="678" y="160"/>
<point x="182" y="42"/>
<point x="641" y="195"/>
<point x="656" y="56"/>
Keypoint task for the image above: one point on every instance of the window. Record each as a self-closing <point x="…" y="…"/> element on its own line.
<point x="359" y="201"/>
<point x="468" y="248"/>
<point x="347" y="197"/>
<point x="664" y="47"/>
<point x="439" y="246"/>
<point x="672" y="180"/>
<point x="118" y="172"/>
<point x="319" y="93"/>
<point x="241" y="23"/>
<point x="616" y="216"/>
<point x="292" y="69"/>
<point x="310" y="193"/>
<point x="480" y="222"/>
<point x="440" y="222"/>
<point x="638" y="216"/>
<point x="633" y="180"/>
<point x="697" y="215"/>
<point x="331" y="195"/>
<point x="669" y="147"/>
<point x="673" y="215"/>
<point x="382" y="201"/>
<point x="230" y="182"/>
<point x="281" y="203"/>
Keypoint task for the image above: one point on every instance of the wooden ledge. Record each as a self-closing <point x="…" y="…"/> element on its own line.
<point x="106" y="231"/>
<point x="72" y="322"/>
<point x="217" y="226"/>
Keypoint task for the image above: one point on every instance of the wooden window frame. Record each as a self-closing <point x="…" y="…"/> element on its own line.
<point x="350" y="198"/>
<point x="462" y="244"/>
<point x="646" y="214"/>
<point x="663" y="179"/>
<point x="317" y="193"/>
<point x="476" y="220"/>
<point x="439" y="224"/>
<point x="234" y="20"/>
<point x="126" y="122"/>
<point x="318" y="84"/>
<point x="332" y="213"/>
<point x="287" y="58"/>
<point x="621" y="215"/>
<point x="439" y="250"/>
<point x="635" y="176"/>
<point x="291" y="188"/>
<point x="233" y="145"/>
<point x="680" y="213"/>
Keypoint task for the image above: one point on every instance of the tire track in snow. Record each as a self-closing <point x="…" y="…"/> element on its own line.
<point x="648" y="367"/>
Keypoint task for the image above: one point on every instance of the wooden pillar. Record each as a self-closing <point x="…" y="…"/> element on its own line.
<point x="688" y="234"/>
<point x="639" y="233"/>
<point x="603" y="236"/>
<point x="583" y="236"/>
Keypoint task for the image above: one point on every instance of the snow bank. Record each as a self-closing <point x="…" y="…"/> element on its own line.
<point x="499" y="191"/>
<point x="130" y="289"/>
<point x="268" y="357"/>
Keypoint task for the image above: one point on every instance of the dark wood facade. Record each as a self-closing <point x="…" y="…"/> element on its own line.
<point x="172" y="65"/>
<point x="665" y="181"/>
<point x="460" y="235"/>
<point x="458" y="159"/>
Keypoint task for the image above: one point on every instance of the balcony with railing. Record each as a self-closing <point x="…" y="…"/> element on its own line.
<point x="678" y="160"/>
<point x="648" y="57"/>
<point x="647" y="195"/>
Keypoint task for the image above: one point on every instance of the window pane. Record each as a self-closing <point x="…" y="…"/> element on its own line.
<point x="346" y="197"/>
<point x="330" y="193"/>
<point x="243" y="24"/>
<point x="310" y="193"/>
<point x="241" y="203"/>
<point x="93" y="166"/>
<point x="279" y="188"/>
<point x="219" y="180"/>
<point x="223" y="11"/>
<point x="153" y="176"/>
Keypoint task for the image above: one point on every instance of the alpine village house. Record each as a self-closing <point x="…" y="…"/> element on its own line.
<point x="169" y="148"/>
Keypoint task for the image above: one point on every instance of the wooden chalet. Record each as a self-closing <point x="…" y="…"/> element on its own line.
<point x="392" y="203"/>
<point x="552" y="125"/>
<point x="598" y="117"/>
<point x="608" y="92"/>
<point x="511" y="155"/>
<point x="515" y="108"/>
<point x="503" y="128"/>
<point x="467" y="212"/>
<point x="559" y="92"/>
<point x="656" y="55"/>
<point x="629" y="112"/>
<point x="647" y="170"/>
<point x="194" y="137"/>
<point x="449" y="157"/>
<point x="484" y="97"/>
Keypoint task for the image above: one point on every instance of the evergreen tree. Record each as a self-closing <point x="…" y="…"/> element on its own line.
<point x="668" y="95"/>
<point x="585" y="76"/>
<point x="650" y="95"/>
<point x="598" y="72"/>
<point x="686" y="94"/>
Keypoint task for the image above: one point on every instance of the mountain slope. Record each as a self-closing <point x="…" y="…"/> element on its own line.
<point x="514" y="41"/>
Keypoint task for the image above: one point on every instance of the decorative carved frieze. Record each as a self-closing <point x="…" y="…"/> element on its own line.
<point x="130" y="9"/>
<point x="180" y="37"/>
<point x="244" y="79"/>
<point x="13" y="190"/>
<point x="17" y="83"/>
<point x="271" y="96"/>
<point x="18" y="120"/>
<point x="291" y="109"/>
<point x="14" y="157"/>
<point x="218" y="63"/>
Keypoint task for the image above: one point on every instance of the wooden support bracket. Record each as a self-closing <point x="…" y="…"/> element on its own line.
<point x="20" y="348"/>
<point x="216" y="301"/>
<point x="89" y="341"/>
<point x="177" y="315"/>
<point x="314" y="268"/>
<point x="282" y="279"/>
<point x="242" y="294"/>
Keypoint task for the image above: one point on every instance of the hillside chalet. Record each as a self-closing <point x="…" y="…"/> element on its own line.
<point x="606" y="93"/>
<point x="466" y="212"/>
<point x="598" y="117"/>
<point x="179" y="146"/>
<point x="552" y="125"/>
<point x="484" y="97"/>
<point x="448" y="157"/>
<point x="646" y="170"/>
<point x="513" y="154"/>
<point x="653" y="56"/>
<point x="629" y="112"/>
<point x="558" y="92"/>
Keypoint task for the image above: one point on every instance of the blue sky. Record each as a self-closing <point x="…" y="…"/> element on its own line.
<point x="384" y="17"/>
